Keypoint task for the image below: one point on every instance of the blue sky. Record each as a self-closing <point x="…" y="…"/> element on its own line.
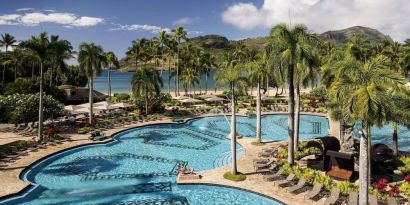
<point x="115" y="23"/>
<point x="198" y="17"/>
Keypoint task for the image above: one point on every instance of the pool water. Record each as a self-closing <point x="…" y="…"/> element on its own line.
<point x="139" y="166"/>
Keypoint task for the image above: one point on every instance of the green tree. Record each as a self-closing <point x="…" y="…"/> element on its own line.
<point x="91" y="57"/>
<point x="147" y="83"/>
<point x="363" y="91"/>
<point x="6" y="41"/>
<point x="289" y="46"/>
<point x="112" y="62"/>
<point x="60" y="51"/>
<point x="179" y="34"/>
<point x="233" y="75"/>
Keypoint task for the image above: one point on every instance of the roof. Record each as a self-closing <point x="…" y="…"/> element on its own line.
<point x="81" y="94"/>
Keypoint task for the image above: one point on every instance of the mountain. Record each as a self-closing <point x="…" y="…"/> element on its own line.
<point x="342" y="36"/>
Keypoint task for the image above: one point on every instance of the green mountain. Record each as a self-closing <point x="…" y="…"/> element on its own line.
<point x="342" y="36"/>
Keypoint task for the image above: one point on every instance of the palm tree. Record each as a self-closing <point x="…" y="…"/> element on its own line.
<point x="40" y="47"/>
<point x="163" y="39"/>
<point x="6" y="41"/>
<point x="208" y="62"/>
<point x="258" y="69"/>
<point x="363" y="91"/>
<point x="146" y="82"/>
<point x="189" y="77"/>
<point x="137" y="52"/>
<point x="60" y="50"/>
<point x="91" y="57"/>
<point x="290" y="44"/>
<point x="112" y="61"/>
<point x="233" y="76"/>
<point x="179" y="34"/>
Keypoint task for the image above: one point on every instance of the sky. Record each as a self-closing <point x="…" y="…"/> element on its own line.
<point x="115" y="23"/>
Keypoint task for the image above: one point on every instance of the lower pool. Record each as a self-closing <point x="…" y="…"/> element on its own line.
<point x="140" y="165"/>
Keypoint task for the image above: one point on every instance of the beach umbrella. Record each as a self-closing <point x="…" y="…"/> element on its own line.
<point x="102" y="103"/>
<point x="214" y="99"/>
<point x="190" y="100"/>
<point x="122" y="105"/>
<point x="87" y="109"/>
<point x="70" y="107"/>
<point x="105" y="107"/>
<point x="83" y="105"/>
<point x="181" y="97"/>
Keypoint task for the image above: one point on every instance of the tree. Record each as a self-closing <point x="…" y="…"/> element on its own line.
<point x="208" y="62"/>
<point x="112" y="61"/>
<point x="258" y="69"/>
<point x="147" y="83"/>
<point x="6" y="41"/>
<point x="163" y="40"/>
<point x="60" y="51"/>
<point x="232" y="75"/>
<point x="179" y="34"/>
<point x="290" y="45"/>
<point x="363" y="91"/>
<point x="40" y="47"/>
<point x="91" y="57"/>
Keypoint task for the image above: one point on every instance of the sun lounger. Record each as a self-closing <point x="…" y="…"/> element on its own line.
<point x="270" y="168"/>
<point x="392" y="201"/>
<point x="334" y="197"/>
<point x="353" y="198"/>
<point x="283" y="182"/>
<point x="265" y="154"/>
<point x="314" y="191"/>
<point x="264" y="164"/>
<point x="373" y="200"/>
<point x="260" y="160"/>
<point x="274" y="176"/>
<point x="298" y="186"/>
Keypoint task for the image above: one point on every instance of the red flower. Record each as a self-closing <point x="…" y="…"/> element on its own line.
<point x="394" y="190"/>
<point x="407" y="178"/>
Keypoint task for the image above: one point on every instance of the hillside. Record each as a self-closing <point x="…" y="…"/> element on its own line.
<point x="218" y="45"/>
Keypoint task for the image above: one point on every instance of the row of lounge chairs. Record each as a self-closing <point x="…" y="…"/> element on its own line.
<point x="26" y="130"/>
<point x="268" y="167"/>
<point x="123" y="121"/>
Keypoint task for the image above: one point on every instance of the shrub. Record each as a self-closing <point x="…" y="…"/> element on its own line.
<point x="404" y="188"/>
<point x="18" y="108"/>
<point x="83" y="130"/>
<point x="121" y="97"/>
<point x="232" y="177"/>
<point x="318" y="92"/>
<point x="403" y="164"/>
<point x="325" y="180"/>
<point x="346" y="187"/>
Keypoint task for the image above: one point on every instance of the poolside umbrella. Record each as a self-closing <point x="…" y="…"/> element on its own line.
<point x="84" y="105"/>
<point x="122" y="105"/>
<point x="70" y="107"/>
<point x="105" y="107"/>
<point x="87" y="109"/>
<point x="102" y="103"/>
<point x="181" y="97"/>
<point x="190" y="100"/>
<point x="214" y="99"/>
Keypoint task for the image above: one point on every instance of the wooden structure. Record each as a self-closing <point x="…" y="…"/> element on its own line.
<point x="322" y="161"/>
<point x="341" y="165"/>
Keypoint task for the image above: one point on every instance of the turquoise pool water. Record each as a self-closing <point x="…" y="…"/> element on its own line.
<point x="140" y="165"/>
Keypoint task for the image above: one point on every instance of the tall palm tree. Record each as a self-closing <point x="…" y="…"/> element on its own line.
<point x="290" y="44"/>
<point x="60" y="50"/>
<point x="363" y="91"/>
<point x="137" y="52"/>
<point x="6" y="41"/>
<point x="146" y="82"/>
<point x="179" y="34"/>
<point x="163" y="39"/>
<point x="91" y="57"/>
<point x="232" y="75"/>
<point x="40" y="47"/>
<point x="208" y="62"/>
<point x="258" y="69"/>
<point x="112" y="61"/>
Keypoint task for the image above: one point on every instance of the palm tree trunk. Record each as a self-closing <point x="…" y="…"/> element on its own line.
<point x="364" y="166"/>
<point x="234" y="169"/>
<point x="32" y="70"/>
<point x="4" y="72"/>
<point x="258" y="113"/>
<point x="15" y="72"/>
<point x="91" y="99"/>
<point x="109" y="81"/>
<point x="146" y="101"/>
<point x="177" y="78"/>
<point x="206" y="83"/>
<point x="40" y="109"/>
<point x="291" y="120"/>
<point x="297" y="117"/>
<point x="395" y="143"/>
<point x="200" y="86"/>
<point x="169" y="76"/>
<point x="267" y="84"/>
<point x="51" y="75"/>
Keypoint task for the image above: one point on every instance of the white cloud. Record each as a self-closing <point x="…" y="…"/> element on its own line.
<point x="195" y="32"/>
<point x="139" y="27"/>
<point x="390" y="17"/>
<point x="184" y="21"/>
<point x="24" y="9"/>
<point x="35" y="18"/>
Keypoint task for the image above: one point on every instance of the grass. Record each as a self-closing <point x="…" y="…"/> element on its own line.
<point x="256" y="143"/>
<point x="238" y="177"/>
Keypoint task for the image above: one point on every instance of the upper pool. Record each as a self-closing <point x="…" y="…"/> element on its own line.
<point x="139" y="166"/>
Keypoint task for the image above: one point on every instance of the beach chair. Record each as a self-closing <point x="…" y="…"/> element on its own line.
<point x="260" y="160"/>
<point x="317" y="188"/>
<point x="263" y="164"/>
<point x="334" y="197"/>
<point x="353" y="198"/>
<point x="271" y="168"/>
<point x="373" y="200"/>
<point x="286" y="181"/>
<point x="392" y="201"/>
<point x="274" y="176"/>
<point x="266" y="153"/>
<point x="298" y="186"/>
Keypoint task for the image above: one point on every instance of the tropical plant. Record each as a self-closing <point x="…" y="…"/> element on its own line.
<point x="363" y="93"/>
<point x="178" y="34"/>
<point x="91" y="57"/>
<point x="289" y="46"/>
<point x="146" y="83"/>
<point x="112" y="62"/>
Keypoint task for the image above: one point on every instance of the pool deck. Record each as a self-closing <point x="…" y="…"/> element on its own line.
<point x="12" y="184"/>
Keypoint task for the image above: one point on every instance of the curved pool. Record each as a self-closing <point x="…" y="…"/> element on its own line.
<point x="139" y="166"/>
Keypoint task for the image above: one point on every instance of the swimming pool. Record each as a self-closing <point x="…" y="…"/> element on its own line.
<point x="139" y="166"/>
